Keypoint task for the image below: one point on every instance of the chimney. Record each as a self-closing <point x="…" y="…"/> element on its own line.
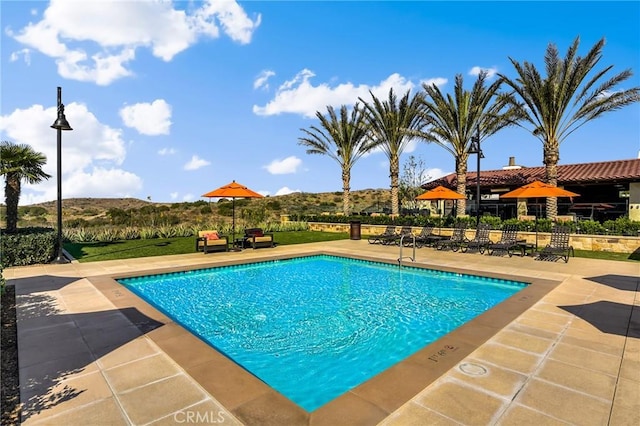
<point x="512" y="164"/>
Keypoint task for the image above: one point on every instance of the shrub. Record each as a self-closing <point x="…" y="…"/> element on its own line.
<point x="28" y="246"/>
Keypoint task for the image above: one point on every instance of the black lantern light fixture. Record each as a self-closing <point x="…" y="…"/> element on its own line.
<point x="60" y="124"/>
<point x="474" y="148"/>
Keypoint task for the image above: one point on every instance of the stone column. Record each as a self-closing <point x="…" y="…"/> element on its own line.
<point x="634" y="201"/>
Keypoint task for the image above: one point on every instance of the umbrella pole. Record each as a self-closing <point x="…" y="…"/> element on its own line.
<point x="233" y="220"/>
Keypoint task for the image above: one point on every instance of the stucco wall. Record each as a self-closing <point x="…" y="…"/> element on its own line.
<point x="612" y="243"/>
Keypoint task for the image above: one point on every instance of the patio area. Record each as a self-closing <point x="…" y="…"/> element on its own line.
<point x="566" y="352"/>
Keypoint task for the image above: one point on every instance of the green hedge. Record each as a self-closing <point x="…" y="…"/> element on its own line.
<point x="620" y="226"/>
<point x="27" y="247"/>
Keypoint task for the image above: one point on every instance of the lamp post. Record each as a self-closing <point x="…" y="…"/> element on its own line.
<point x="60" y="124"/>
<point x="475" y="149"/>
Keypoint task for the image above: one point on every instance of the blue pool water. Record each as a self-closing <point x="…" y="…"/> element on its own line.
<point x="315" y="327"/>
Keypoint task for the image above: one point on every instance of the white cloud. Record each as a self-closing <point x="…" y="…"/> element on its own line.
<point x="477" y="70"/>
<point x="148" y="118"/>
<point x="299" y="96"/>
<point x="24" y="53"/>
<point x="285" y="190"/>
<point x="93" y="41"/>
<point x="91" y="153"/>
<point x="188" y="197"/>
<point x="435" y="173"/>
<point x="196" y="163"/>
<point x="167" y="151"/>
<point x="173" y="195"/>
<point x="282" y="167"/>
<point x="438" y="81"/>
<point x="261" y="80"/>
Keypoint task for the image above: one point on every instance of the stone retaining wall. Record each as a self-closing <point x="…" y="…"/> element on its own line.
<point x="611" y="243"/>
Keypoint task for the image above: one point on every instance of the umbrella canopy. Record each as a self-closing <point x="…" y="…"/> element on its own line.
<point x="233" y="190"/>
<point x="538" y="189"/>
<point x="440" y="193"/>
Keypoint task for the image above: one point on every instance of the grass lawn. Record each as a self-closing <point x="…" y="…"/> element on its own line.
<point x="91" y="252"/>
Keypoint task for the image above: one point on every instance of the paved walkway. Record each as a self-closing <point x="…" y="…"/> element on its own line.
<point x="573" y="357"/>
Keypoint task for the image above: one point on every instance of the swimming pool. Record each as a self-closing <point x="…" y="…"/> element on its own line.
<point x="315" y="327"/>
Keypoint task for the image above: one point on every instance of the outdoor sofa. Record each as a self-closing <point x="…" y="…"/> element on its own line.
<point x="211" y="240"/>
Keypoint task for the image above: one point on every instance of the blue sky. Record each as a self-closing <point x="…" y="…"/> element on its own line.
<point x="170" y="100"/>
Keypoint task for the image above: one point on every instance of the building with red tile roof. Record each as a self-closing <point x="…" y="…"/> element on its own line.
<point x="614" y="183"/>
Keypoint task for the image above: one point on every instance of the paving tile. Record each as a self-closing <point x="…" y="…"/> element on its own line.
<point x="348" y="409"/>
<point x="490" y="378"/>
<point x="271" y="409"/>
<point x="534" y="331"/>
<point x="105" y="412"/>
<point x="461" y="403"/>
<point x="63" y="396"/>
<point x="586" y="358"/>
<point x="594" y="340"/>
<point x="140" y="372"/>
<point x="590" y="382"/>
<point x="506" y="357"/>
<point x="130" y="351"/>
<point x="412" y="414"/>
<point x="564" y="404"/>
<point x="546" y="321"/>
<point x="523" y="341"/>
<point x="159" y="399"/>
<point x="101" y="341"/>
<point x="227" y="382"/>
<point x="626" y="405"/>
<point x="518" y="415"/>
<point x="206" y="412"/>
<point x="42" y="376"/>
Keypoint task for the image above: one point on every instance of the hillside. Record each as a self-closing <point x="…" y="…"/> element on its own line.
<point x="97" y="211"/>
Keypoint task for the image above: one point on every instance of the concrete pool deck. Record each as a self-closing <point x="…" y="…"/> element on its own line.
<point x="91" y="353"/>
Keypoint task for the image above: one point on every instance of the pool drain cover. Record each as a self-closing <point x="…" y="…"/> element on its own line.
<point x="472" y="369"/>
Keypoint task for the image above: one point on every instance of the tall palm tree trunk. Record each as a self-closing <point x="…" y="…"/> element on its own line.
<point x="461" y="187"/>
<point x="346" y="179"/>
<point x="12" y="196"/>
<point x="551" y="156"/>
<point x="394" y="171"/>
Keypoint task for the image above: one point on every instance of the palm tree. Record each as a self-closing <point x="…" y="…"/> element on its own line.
<point x="556" y="105"/>
<point x="343" y="139"/>
<point x="453" y="120"/>
<point x="18" y="163"/>
<point x="392" y="125"/>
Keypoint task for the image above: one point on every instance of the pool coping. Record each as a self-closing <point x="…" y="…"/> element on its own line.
<point x="254" y="402"/>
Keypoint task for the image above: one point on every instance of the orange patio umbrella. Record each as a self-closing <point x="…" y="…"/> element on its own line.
<point x="440" y="193"/>
<point x="537" y="189"/>
<point x="233" y="190"/>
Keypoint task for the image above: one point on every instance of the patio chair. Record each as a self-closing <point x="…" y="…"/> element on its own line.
<point x="211" y="240"/>
<point x="457" y="239"/>
<point x="508" y="241"/>
<point x="481" y="240"/>
<point x="256" y="238"/>
<point x="377" y="239"/>
<point x="426" y="237"/>
<point x="559" y="246"/>
<point x="397" y="236"/>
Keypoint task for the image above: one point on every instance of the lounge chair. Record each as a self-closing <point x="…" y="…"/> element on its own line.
<point x="508" y="241"/>
<point x="377" y="239"/>
<point x="405" y="231"/>
<point x="457" y="239"/>
<point x="481" y="240"/>
<point x="211" y="240"/>
<point x="559" y="246"/>
<point x="256" y="238"/>
<point x="426" y="237"/>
